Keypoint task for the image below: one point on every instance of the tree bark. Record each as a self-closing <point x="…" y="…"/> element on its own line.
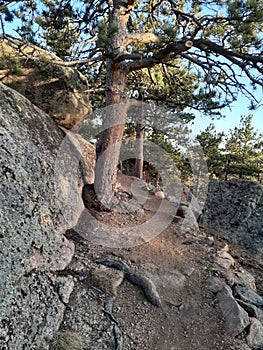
<point x="139" y="150"/>
<point x="109" y="144"/>
<point x="108" y="147"/>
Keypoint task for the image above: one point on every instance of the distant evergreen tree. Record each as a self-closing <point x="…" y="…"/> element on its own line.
<point x="243" y="148"/>
<point x="211" y="141"/>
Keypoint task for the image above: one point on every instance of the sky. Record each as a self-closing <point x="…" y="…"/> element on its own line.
<point x="232" y="119"/>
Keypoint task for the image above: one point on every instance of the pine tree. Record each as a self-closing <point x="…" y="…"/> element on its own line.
<point x="219" y="41"/>
<point x="244" y="151"/>
<point x="211" y="142"/>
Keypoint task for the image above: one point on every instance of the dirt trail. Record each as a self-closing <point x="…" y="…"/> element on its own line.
<point x="182" y="266"/>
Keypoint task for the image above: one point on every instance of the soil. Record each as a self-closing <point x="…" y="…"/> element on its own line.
<point x="182" y="265"/>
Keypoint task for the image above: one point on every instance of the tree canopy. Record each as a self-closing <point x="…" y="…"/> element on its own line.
<point x="220" y="41"/>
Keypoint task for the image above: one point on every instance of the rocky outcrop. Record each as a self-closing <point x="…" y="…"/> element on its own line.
<point x="40" y="198"/>
<point x="59" y="91"/>
<point x="88" y="156"/>
<point x="235" y="209"/>
<point x="236" y="317"/>
<point x="238" y="300"/>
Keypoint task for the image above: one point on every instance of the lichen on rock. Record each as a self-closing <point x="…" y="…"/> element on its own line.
<point x="234" y="209"/>
<point x="33" y="218"/>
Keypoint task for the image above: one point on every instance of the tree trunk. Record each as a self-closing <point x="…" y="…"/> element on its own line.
<point x="139" y="150"/>
<point x="109" y="144"/>
<point x="227" y="166"/>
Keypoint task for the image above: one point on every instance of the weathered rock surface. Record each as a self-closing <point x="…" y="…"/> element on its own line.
<point x="244" y="278"/>
<point x="189" y="222"/>
<point x="235" y="209"/>
<point x="59" y="91"/>
<point x="252" y="310"/>
<point x="38" y="200"/>
<point x="235" y="316"/>
<point x="249" y="295"/>
<point x="87" y="153"/>
<point x="255" y="335"/>
<point x="224" y="259"/>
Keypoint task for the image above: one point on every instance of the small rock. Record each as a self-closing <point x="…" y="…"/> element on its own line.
<point x="235" y="316"/>
<point x="149" y="266"/>
<point x="159" y="194"/>
<point x="255" y="334"/>
<point x="187" y="270"/>
<point x="208" y="240"/>
<point x="182" y="210"/>
<point x="177" y="219"/>
<point x="66" y="288"/>
<point x="226" y="248"/>
<point x="175" y="279"/>
<point x="195" y="206"/>
<point x="189" y="223"/>
<point x="189" y="309"/>
<point x="225" y="260"/>
<point x="215" y="284"/>
<point x="248" y="295"/>
<point x="140" y="211"/>
<point x="241" y="278"/>
<point x="252" y="310"/>
<point x="246" y="278"/>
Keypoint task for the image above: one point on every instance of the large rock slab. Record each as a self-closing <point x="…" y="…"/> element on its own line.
<point x="235" y="209"/>
<point x="38" y="202"/>
<point x="60" y="91"/>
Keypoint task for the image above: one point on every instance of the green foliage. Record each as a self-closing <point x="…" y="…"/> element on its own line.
<point x="247" y="17"/>
<point x="11" y="63"/>
<point x="105" y="33"/>
<point x="102" y="34"/>
<point x="237" y="154"/>
<point x="59" y="30"/>
<point x="244" y="151"/>
<point x="173" y="86"/>
<point x="211" y="142"/>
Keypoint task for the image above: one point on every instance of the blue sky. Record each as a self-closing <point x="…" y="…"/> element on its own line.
<point x="232" y="118"/>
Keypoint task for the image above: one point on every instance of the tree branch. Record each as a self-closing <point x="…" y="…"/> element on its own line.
<point x="127" y="56"/>
<point x="166" y="54"/>
<point x="231" y="55"/>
